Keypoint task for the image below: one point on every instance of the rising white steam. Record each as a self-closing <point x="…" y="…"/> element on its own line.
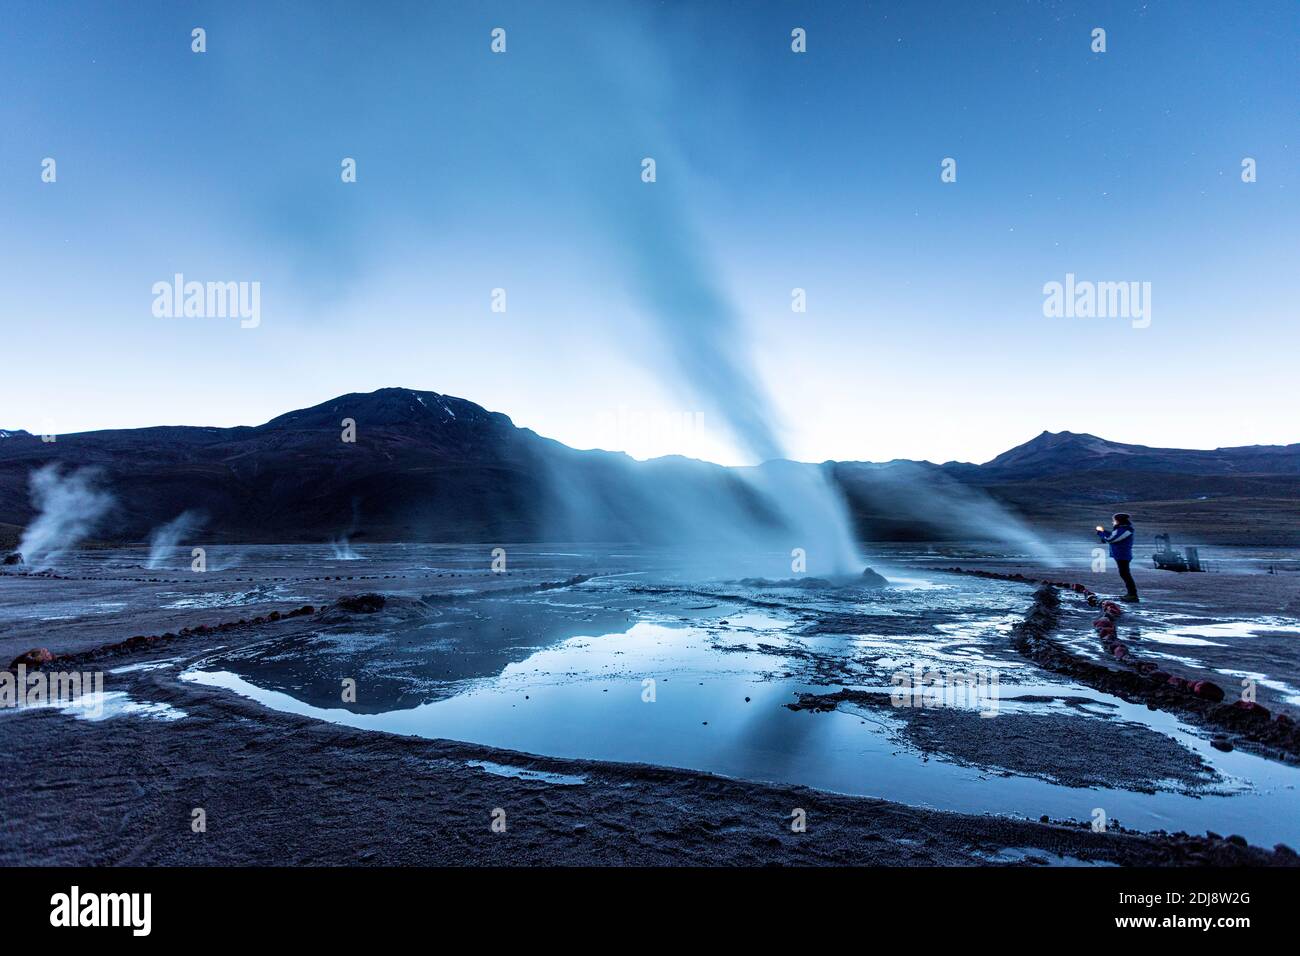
<point x="342" y="549"/>
<point x="677" y="285"/>
<point x="69" y="507"/>
<point x="164" y="538"/>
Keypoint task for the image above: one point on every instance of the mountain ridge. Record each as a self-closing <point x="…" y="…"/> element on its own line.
<point x="383" y="405"/>
<point x="429" y="466"/>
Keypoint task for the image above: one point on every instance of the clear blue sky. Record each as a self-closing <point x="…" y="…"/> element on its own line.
<point x="924" y="335"/>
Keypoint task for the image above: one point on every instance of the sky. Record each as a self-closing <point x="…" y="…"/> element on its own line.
<point x="924" y="336"/>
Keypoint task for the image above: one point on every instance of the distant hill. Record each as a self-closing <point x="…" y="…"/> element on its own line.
<point x="1055" y="453"/>
<point x="430" y="467"/>
<point x="1063" y="480"/>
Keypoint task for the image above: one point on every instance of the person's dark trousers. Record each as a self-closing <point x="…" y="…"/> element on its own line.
<point x="1127" y="577"/>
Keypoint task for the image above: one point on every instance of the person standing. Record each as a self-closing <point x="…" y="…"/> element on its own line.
<point x="1120" y="539"/>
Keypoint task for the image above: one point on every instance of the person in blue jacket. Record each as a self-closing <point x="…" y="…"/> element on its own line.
<point x="1120" y="538"/>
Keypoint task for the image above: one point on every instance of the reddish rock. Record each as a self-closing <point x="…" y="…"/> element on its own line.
<point x="1252" y="708"/>
<point x="1207" y="689"/>
<point x="33" y="658"/>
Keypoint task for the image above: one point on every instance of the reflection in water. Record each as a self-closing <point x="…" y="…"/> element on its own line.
<point x="702" y="684"/>
<point x="656" y="659"/>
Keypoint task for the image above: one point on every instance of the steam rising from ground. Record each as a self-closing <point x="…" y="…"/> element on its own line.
<point x="342" y="545"/>
<point x="164" y="538"/>
<point x="342" y="549"/>
<point x="937" y="506"/>
<point x="677" y="286"/>
<point x="69" y="508"/>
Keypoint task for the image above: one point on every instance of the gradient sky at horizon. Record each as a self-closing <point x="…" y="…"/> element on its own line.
<point x="924" y="335"/>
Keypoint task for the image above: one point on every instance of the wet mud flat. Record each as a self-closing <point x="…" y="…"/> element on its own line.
<point x="1215" y="683"/>
<point x="1130" y="755"/>
<point x="246" y="723"/>
<point x="1237" y="622"/>
<point x="282" y="790"/>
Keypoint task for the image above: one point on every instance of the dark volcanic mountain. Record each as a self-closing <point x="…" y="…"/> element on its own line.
<point x="429" y="467"/>
<point x="423" y="467"/>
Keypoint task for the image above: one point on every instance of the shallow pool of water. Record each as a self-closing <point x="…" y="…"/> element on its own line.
<point x="694" y="692"/>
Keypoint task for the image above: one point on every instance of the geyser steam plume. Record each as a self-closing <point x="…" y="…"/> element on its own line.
<point x="678" y="287"/>
<point x="68" y="509"/>
<point x="342" y="545"/>
<point x="676" y="284"/>
<point x="342" y="549"/>
<point x="164" y="538"/>
<point x="708" y="348"/>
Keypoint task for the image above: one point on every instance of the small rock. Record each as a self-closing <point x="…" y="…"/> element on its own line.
<point x="1252" y="708"/>
<point x="1208" y="689"/>
<point x="871" y="579"/>
<point x="33" y="658"/>
<point x="361" y="603"/>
